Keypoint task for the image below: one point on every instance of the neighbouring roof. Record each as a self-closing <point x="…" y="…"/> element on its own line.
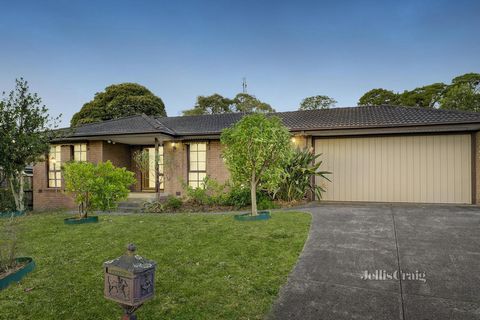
<point x="335" y="118"/>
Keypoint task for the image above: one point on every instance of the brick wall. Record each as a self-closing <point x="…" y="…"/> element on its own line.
<point x="119" y="154"/>
<point x="175" y="168"/>
<point x="50" y="198"/>
<point x="95" y="151"/>
<point x="56" y="198"/>
<point x="216" y="168"/>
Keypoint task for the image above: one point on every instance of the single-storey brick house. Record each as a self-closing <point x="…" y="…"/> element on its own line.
<point x="384" y="154"/>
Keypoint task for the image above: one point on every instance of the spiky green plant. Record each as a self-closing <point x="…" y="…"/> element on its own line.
<point x="298" y="178"/>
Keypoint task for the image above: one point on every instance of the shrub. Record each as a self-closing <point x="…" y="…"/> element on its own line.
<point x="173" y="203"/>
<point x="239" y="197"/>
<point x="111" y="186"/>
<point x="7" y="203"/>
<point x="99" y="186"/>
<point x="297" y="177"/>
<point x="265" y="203"/>
<point x="170" y="204"/>
<point x="210" y="193"/>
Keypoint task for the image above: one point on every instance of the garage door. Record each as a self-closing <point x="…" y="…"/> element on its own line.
<point x="430" y="169"/>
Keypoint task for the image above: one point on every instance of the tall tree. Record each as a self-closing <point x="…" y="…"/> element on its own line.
<point x="212" y="104"/>
<point x="119" y="100"/>
<point x="244" y="102"/>
<point x="461" y="97"/>
<point x="216" y="103"/>
<point x="423" y="97"/>
<point x="25" y="132"/>
<point x="256" y="150"/>
<point x="378" y="97"/>
<point x="317" y="102"/>
<point x="463" y="93"/>
<point x="470" y="79"/>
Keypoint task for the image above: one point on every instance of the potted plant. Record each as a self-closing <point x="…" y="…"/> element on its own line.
<point x="12" y="268"/>
<point x="256" y="148"/>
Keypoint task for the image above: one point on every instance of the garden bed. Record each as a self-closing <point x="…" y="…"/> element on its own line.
<point x="262" y="215"/>
<point x="14" y="213"/>
<point x="91" y="219"/>
<point x="24" y="265"/>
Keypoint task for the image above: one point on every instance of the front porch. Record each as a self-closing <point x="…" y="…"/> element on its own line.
<point x="158" y="161"/>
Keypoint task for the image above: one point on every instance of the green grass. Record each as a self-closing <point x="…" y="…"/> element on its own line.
<point x="208" y="266"/>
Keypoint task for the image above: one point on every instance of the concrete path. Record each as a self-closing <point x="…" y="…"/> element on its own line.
<point x="347" y="240"/>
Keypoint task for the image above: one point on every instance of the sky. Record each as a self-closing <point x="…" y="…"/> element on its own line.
<point x="287" y="50"/>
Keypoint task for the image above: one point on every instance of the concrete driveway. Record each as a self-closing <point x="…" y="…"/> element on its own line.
<point x="347" y="240"/>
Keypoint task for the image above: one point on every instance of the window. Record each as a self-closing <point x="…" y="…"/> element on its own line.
<point x="149" y="176"/>
<point x="197" y="164"/>
<point x="80" y="152"/>
<point x="54" y="167"/>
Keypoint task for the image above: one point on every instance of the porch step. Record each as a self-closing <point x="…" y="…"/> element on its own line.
<point x="135" y="201"/>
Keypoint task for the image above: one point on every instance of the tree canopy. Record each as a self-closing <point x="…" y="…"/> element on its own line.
<point x="216" y="103"/>
<point x="117" y="101"/>
<point x="378" y="97"/>
<point x="256" y="149"/>
<point x="463" y="93"/>
<point x="317" y="102"/>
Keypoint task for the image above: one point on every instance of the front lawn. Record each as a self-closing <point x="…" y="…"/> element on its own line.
<point x="209" y="266"/>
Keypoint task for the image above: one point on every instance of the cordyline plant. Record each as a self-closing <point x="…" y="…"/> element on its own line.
<point x="25" y="131"/>
<point x="299" y="176"/>
<point x="256" y="149"/>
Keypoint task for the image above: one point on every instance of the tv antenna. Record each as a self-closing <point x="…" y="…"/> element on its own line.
<point x="244" y="85"/>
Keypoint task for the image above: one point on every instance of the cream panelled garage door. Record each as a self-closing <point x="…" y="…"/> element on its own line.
<point x="431" y="169"/>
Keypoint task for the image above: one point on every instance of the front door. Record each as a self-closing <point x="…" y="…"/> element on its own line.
<point x="148" y="178"/>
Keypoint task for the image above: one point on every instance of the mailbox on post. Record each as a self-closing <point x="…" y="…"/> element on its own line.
<point x="129" y="281"/>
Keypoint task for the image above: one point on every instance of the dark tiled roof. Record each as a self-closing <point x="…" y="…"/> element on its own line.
<point x="132" y="125"/>
<point x="373" y="116"/>
<point x="336" y="118"/>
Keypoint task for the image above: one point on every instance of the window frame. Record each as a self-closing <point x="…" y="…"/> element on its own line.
<point x="56" y="170"/>
<point x="80" y="152"/>
<point x="198" y="182"/>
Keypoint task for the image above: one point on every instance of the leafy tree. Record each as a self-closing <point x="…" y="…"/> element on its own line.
<point x="246" y="103"/>
<point x="378" y="97"/>
<point x="461" y="97"/>
<point x="463" y="93"/>
<point x="212" y="104"/>
<point x="317" y="102"/>
<point x="25" y="131"/>
<point x="215" y="104"/>
<point x="297" y="177"/>
<point x="471" y="79"/>
<point x="119" y="100"/>
<point x="256" y="148"/>
<point x="99" y="186"/>
<point x="423" y="97"/>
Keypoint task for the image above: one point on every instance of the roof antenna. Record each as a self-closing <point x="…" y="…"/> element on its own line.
<point x="244" y="85"/>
